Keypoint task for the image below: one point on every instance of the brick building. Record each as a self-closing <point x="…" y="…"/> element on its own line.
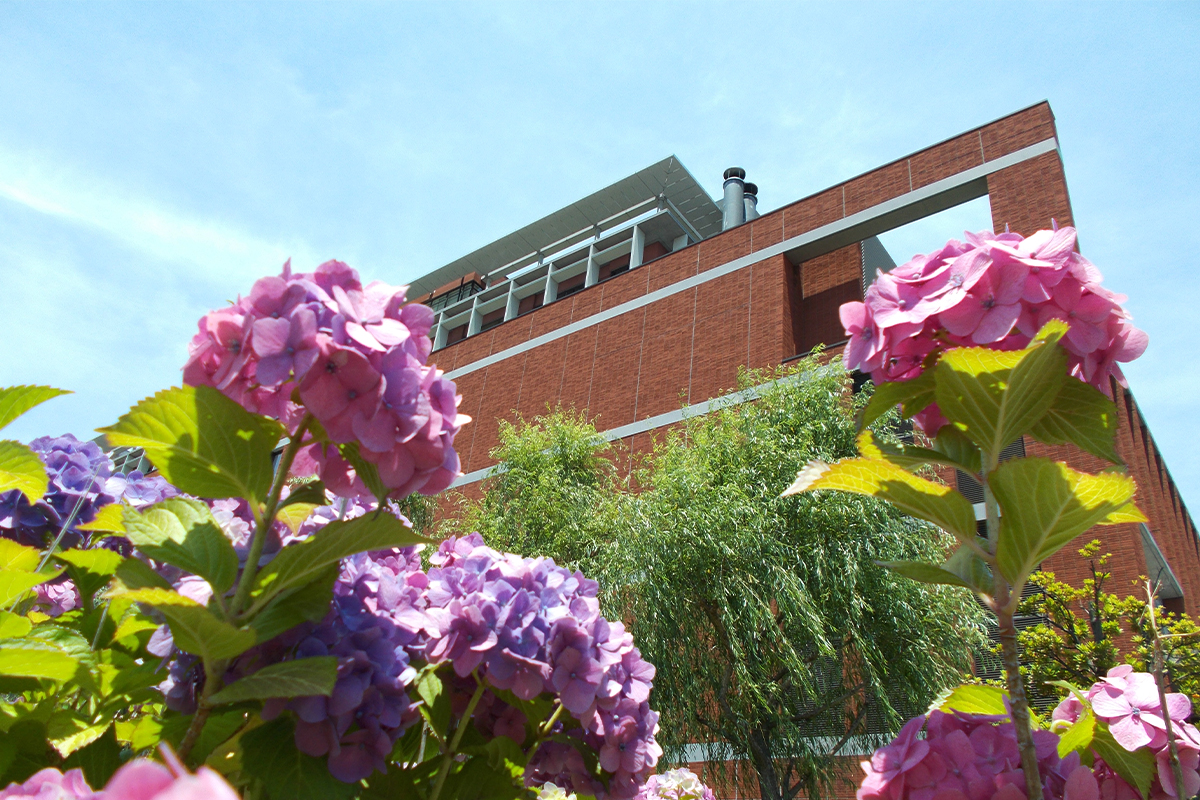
<point x="647" y="296"/>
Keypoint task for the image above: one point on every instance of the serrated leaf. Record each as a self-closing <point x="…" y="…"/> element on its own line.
<point x="910" y="457"/>
<point x="137" y="574"/>
<point x="91" y="569"/>
<point x="914" y="395"/>
<point x="922" y="498"/>
<point x="13" y="626"/>
<point x="21" y="469"/>
<point x="17" y="556"/>
<point x="1137" y="768"/>
<point x="963" y="568"/>
<point x="14" y="584"/>
<point x="365" y="470"/>
<point x="1081" y="415"/>
<point x="30" y="658"/>
<point x="1078" y="738"/>
<point x="109" y="519"/>
<point x="194" y="628"/>
<point x="294" y="515"/>
<point x="959" y="448"/>
<point x="435" y="700"/>
<point x="202" y="442"/>
<point x="269" y="754"/>
<point x="925" y="573"/>
<point x="311" y="493"/>
<point x="1126" y="513"/>
<point x="975" y="699"/>
<point x="996" y="396"/>
<point x="184" y="533"/>
<point x="302" y="677"/>
<point x="300" y="563"/>
<point x="309" y="603"/>
<point x="16" y="400"/>
<point x="99" y="760"/>
<point x="1044" y="505"/>
<point x="68" y="733"/>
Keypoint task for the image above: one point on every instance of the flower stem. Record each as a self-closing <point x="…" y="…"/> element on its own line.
<point x="1006" y="600"/>
<point x="448" y="756"/>
<point x="267" y="519"/>
<point x="1159" y="680"/>
<point x="212" y="684"/>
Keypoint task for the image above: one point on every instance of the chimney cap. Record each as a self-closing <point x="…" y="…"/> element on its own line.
<point x="751" y="188"/>
<point x="735" y="172"/>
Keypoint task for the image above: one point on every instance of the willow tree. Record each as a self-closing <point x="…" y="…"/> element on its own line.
<point x="778" y="639"/>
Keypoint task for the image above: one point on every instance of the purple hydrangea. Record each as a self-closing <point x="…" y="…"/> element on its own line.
<point x="78" y="473"/>
<point x="140" y="490"/>
<point x="676" y="784"/>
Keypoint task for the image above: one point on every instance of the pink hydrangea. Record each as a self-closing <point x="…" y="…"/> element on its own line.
<point x="675" y="784"/>
<point x="969" y="757"/>
<point x="50" y="784"/>
<point x="140" y="779"/>
<point x="354" y="357"/>
<point x="995" y="291"/>
<point x="1128" y="703"/>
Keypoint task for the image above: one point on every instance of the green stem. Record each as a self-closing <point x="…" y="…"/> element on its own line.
<point x="1173" y="749"/>
<point x="267" y="518"/>
<point x="1006" y="599"/>
<point x="212" y="685"/>
<point x="448" y="756"/>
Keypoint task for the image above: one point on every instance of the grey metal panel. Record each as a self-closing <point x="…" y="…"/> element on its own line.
<point x="667" y="177"/>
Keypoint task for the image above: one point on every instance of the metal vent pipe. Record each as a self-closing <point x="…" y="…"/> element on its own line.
<point x="750" y="199"/>
<point x="734" y="208"/>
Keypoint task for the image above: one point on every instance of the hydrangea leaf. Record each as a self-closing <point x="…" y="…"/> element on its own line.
<point x="109" y="519"/>
<point x="1081" y="415"/>
<point x="195" y="629"/>
<point x="925" y="573"/>
<point x="99" y="760"/>
<point x="971" y="698"/>
<point x="15" y="583"/>
<point x="184" y="533"/>
<point x="435" y="700"/>
<point x="137" y="574"/>
<point x="1137" y="767"/>
<point x="1044" y="505"/>
<point x="294" y="515"/>
<point x="67" y="732"/>
<point x="959" y="448"/>
<point x="910" y="457"/>
<point x="309" y="603"/>
<point x="269" y="754"/>
<point x="21" y="469"/>
<point x="300" y="563"/>
<point x="202" y="442"/>
<point x="995" y="396"/>
<point x="1078" y="738"/>
<point x="30" y="658"/>
<point x="18" y="556"/>
<point x="963" y="568"/>
<point x="301" y="677"/>
<point x="311" y="493"/>
<point x="914" y="396"/>
<point x="13" y="626"/>
<point x="91" y="569"/>
<point x="16" y="400"/>
<point x="921" y="498"/>
<point x="365" y="470"/>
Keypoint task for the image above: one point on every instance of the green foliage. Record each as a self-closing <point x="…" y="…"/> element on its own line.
<point x="269" y="755"/>
<point x="202" y="442"/>
<point x="302" y="677"/>
<point x="195" y="628"/>
<point x="774" y="631"/>
<point x="185" y="534"/>
<point x="972" y="699"/>
<point x="16" y="400"/>
<point x="21" y="469"/>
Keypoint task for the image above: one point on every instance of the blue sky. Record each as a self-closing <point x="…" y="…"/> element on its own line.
<point x="156" y="158"/>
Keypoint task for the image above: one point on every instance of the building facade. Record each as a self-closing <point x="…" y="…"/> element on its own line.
<point x="641" y="302"/>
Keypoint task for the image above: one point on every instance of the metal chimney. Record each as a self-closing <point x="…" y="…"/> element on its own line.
<point x="734" y="208"/>
<point x="750" y="199"/>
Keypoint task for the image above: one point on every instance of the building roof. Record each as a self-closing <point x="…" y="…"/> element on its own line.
<point x="667" y="182"/>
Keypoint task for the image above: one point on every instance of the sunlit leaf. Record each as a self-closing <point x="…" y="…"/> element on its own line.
<point x="1078" y="738"/>
<point x="13" y="626"/>
<point x="910" y="457"/>
<point x="109" y="519"/>
<point x="972" y="698"/>
<point x="17" y="556"/>
<point x="14" y="584"/>
<point x="30" y="658"/>
<point x="1137" y="767"/>
<point x="184" y="533"/>
<point x="21" y="469"/>
<point x="16" y="400"/>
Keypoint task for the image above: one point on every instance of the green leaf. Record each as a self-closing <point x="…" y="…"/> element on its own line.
<point x="308" y="603"/>
<point x="311" y="493"/>
<point x="1082" y="416"/>
<point x="302" y="677"/>
<point x="68" y="733"/>
<point x="202" y="442"/>
<point x="915" y="395"/>
<point x="13" y="626"/>
<point x="908" y="456"/>
<point x="963" y="568"/>
<point x="91" y="569"/>
<point x="1044" y="505"/>
<point x="99" y="760"/>
<point x="478" y="780"/>
<point x="14" y="584"/>
<point x="269" y="754"/>
<point x="109" y="519"/>
<point x="21" y="469"/>
<point x="365" y="470"/>
<point x="1078" y="738"/>
<point x="300" y="563"/>
<point x="959" y="449"/>
<point x="401" y="783"/>
<point x="996" y="396"/>
<point x="922" y="498"/>
<point x="29" y="658"/>
<point x="195" y="629"/>
<point x="435" y="701"/>
<point x="16" y="400"/>
<point x="137" y="574"/>
<point x="1137" y="768"/>
<point x="185" y="533"/>
<point x="925" y="573"/>
<point x="18" y="556"/>
<point x="972" y="698"/>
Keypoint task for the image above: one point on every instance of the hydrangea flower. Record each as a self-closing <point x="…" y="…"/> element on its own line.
<point x="991" y="290"/>
<point x="139" y="779"/>
<point x="355" y="357"/>
<point x="78" y="473"/>
<point x="969" y="757"/>
<point x="50" y="784"/>
<point x="676" y="784"/>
